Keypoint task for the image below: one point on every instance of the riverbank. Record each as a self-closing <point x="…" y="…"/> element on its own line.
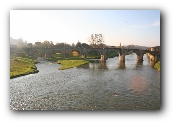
<point x="71" y="63"/>
<point x="22" y="66"/>
<point x="157" y="66"/>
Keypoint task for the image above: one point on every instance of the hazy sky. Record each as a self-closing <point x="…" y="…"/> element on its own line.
<point x="138" y="27"/>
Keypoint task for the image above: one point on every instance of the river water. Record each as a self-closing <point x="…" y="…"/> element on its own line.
<point x="96" y="86"/>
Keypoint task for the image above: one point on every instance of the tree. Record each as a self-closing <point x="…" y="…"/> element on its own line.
<point x="78" y="45"/>
<point x="60" y="45"/>
<point x="73" y="45"/>
<point x="85" y="45"/>
<point x="96" y="40"/>
<point x="51" y="44"/>
<point x="101" y="45"/>
<point x="46" y="44"/>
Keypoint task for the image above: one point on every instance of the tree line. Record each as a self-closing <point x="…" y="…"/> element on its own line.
<point x="95" y="41"/>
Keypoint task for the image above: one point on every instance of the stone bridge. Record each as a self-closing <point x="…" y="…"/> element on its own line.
<point x="47" y="52"/>
<point x="154" y="53"/>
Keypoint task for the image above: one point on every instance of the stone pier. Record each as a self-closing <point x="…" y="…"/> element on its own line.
<point x="140" y="55"/>
<point x="122" y="55"/>
<point x="122" y="58"/>
<point x="103" y="56"/>
<point x="152" y="57"/>
<point x="102" y="59"/>
<point x="140" y="58"/>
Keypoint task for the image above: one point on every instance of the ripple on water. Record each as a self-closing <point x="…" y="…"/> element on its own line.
<point x="87" y="88"/>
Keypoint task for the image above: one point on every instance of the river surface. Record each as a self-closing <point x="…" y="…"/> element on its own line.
<point x="96" y="86"/>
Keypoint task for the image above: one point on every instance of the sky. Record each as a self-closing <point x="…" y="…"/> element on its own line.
<point x="137" y="27"/>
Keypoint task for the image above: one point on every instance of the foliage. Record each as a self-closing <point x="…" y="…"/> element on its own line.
<point x="22" y="66"/>
<point x="78" y="45"/>
<point x="157" y="66"/>
<point x="56" y="57"/>
<point x="71" y="56"/>
<point x="47" y="43"/>
<point x="111" y="54"/>
<point x="71" y="63"/>
<point x="94" y="53"/>
<point x="85" y="45"/>
<point x="94" y="57"/>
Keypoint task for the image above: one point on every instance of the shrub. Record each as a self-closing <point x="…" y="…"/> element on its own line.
<point x="157" y="66"/>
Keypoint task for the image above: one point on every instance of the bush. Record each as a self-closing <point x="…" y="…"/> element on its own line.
<point x="157" y="66"/>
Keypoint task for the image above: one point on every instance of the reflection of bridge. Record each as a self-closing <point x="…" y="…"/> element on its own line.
<point x="47" y="52"/>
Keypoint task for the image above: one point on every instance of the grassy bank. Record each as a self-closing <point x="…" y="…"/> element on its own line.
<point x="157" y="66"/>
<point x="71" y="63"/>
<point x="22" y="66"/>
<point x="57" y="57"/>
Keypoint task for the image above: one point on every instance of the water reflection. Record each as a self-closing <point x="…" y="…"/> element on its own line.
<point x="139" y="64"/>
<point x="93" y="66"/>
<point x="85" y="66"/>
<point x="121" y="65"/>
<point x="152" y="63"/>
<point x="102" y="66"/>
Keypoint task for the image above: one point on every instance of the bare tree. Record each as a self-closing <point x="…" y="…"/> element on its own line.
<point x="96" y="39"/>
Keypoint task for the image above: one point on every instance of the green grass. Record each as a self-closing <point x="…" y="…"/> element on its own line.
<point x="71" y="63"/>
<point x="93" y="57"/>
<point x="157" y="66"/>
<point x="22" y="66"/>
<point x="57" y="57"/>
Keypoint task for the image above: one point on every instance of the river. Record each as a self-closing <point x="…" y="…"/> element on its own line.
<point x="96" y="86"/>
